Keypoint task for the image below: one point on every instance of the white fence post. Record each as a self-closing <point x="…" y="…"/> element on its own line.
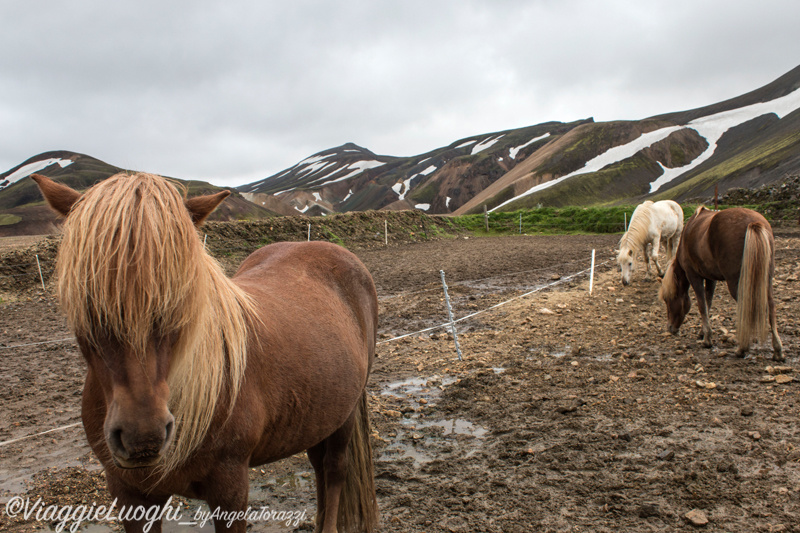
<point x="385" y="233"/>
<point x="40" y="272"/>
<point x="450" y="316"/>
<point x="309" y="232"/>
<point x="591" y="274"/>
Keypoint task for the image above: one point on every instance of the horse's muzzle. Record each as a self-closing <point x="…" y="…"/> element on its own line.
<point x="137" y="448"/>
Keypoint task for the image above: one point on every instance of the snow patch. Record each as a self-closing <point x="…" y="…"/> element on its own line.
<point x="424" y="207"/>
<point x="462" y="145"/>
<point x="402" y="188"/>
<point x="481" y="146"/>
<point x="30" y="168"/>
<point x="304" y="209"/>
<point x="349" y="194"/>
<point x="447" y="202"/>
<point x="429" y="170"/>
<point x="512" y="153"/>
<point x="358" y="167"/>
<point x="317" y="196"/>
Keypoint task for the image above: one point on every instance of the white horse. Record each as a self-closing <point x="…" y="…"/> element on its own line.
<point x="650" y="223"/>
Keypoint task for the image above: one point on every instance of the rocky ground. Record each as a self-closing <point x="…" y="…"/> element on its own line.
<point x="570" y="411"/>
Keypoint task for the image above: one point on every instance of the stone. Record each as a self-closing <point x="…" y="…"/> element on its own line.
<point x="697" y="518"/>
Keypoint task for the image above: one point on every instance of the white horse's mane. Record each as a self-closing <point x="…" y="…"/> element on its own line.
<point x="636" y="235"/>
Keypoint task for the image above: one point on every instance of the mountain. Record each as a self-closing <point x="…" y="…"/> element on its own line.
<point x="24" y="212"/>
<point x="743" y="142"/>
<point x="746" y="141"/>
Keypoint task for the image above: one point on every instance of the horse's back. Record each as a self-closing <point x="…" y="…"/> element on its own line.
<point x="668" y="217"/>
<point x="714" y="240"/>
<point x="289" y="267"/>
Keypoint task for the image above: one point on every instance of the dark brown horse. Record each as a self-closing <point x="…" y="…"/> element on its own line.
<point x="735" y="246"/>
<point x="194" y="377"/>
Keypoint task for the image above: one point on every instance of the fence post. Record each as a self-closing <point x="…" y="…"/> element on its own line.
<point x="485" y="218"/>
<point x="385" y="233"/>
<point x="591" y="274"/>
<point x="625" y="224"/>
<point x="520" y="222"/>
<point x="309" y="232"/>
<point x="450" y="316"/>
<point x="40" y="272"/>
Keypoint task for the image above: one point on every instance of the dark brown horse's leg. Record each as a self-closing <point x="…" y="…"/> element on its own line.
<point x="316" y="455"/>
<point x="777" y="346"/>
<point x="334" y="472"/>
<point x="228" y="494"/>
<point x="131" y="499"/>
<point x="711" y="286"/>
<point x="700" y="294"/>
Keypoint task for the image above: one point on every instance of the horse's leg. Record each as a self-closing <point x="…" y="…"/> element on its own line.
<point x="711" y="285"/>
<point x="777" y="346"/>
<point x="131" y="499"/>
<point x="316" y="455"/>
<point x="331" y="456"/>
<point x="228" y="494"/>
<point x="646" y="255"/>
<point x="700" y="294"/>
<point x="654" y="254"/>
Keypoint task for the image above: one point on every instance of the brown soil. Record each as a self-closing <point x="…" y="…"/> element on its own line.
<point x="569" y="412"/>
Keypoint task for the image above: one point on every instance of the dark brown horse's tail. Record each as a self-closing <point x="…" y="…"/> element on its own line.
<point x="752" y="311"/>
<point x="358" y="507"/>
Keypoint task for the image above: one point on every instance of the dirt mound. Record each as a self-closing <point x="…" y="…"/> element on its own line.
<point x="780" y="201"/>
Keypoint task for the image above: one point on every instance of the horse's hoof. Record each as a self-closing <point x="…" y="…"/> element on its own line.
<point x="741" y="353"/>
<point x="779" y="357"/>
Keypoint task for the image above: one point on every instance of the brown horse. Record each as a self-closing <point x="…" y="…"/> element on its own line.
<point x="194" y="377"/>
<point x="736" y="246"/>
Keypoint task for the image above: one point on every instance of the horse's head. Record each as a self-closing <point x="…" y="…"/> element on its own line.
<point x="625" y="260"/>
<point x="118" y="287"/>
<point x="138" y="425"/>
<point x="674" y="292"/>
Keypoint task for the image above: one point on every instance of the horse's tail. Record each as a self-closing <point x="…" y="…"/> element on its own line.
<point x="752" y="311"/>
<point x="358" y="507"/>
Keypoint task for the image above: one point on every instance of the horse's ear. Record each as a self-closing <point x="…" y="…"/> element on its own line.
<point x="60" y="197"/>
<point x="202" y="206"/>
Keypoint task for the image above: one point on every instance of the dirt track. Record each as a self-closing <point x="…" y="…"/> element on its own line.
<point x="570" y="412"/>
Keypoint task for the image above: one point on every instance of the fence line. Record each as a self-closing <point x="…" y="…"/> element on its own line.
<point x="495" y="306"/>
<point x="37" y="343"/>
<point x="12" y="441"/>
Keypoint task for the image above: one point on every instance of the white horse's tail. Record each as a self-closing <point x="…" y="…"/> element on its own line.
<point x="752" y="311"/>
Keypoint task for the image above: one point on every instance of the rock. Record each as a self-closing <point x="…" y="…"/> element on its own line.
<point x="545" y="311"/>
<point x="392" y="413"/>
<point x="746" y="411"/>
<point x="697" y="518"/>
<point x="783" y="378"/>
<point x="647" y="510"/>
<point x="666" y="455"/>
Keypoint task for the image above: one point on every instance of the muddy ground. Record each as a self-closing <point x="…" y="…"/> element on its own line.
<point x="569" y="412"/>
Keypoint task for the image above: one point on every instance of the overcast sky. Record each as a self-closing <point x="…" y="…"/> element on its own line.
<point x="233" y="91"/>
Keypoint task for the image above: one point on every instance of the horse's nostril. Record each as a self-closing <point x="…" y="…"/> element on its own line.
<point x="115" y="441"/>
<point x="168" y="430"/>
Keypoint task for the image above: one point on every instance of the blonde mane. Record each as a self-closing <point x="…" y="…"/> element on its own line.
<point x="636" y="235"/>
<point x="668" y="288"/>
<point x="131" y="265"/>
